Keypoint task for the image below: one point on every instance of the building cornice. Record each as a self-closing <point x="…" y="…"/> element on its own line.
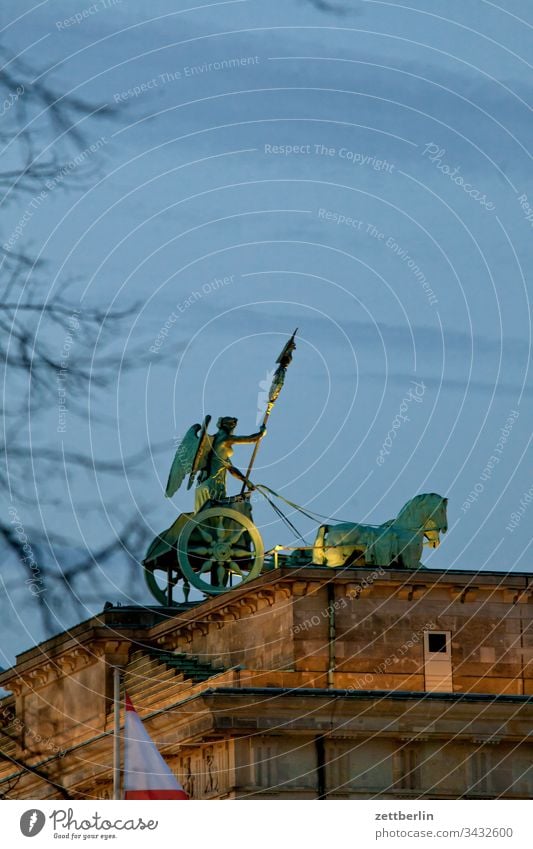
<point x="115" y="632"/>
<point x="285" y="583"/>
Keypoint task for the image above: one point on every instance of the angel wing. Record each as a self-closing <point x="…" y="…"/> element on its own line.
<point x="186" y="458"/>
<point x="203" y="452"/>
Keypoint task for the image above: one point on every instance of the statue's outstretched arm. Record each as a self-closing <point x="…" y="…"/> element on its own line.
<point x="246" y="440"/>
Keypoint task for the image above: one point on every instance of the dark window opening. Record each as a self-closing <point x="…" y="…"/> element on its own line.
<point x="437" y="642"/>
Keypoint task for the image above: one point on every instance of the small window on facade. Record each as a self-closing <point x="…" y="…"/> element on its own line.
<point x="436" y="642"/>
<point x="438" y="661"/>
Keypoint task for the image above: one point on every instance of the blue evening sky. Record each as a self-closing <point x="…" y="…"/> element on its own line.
<point x="359" y="175"/>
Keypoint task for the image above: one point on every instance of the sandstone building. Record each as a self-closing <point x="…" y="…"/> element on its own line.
<point x="305" y="683"/>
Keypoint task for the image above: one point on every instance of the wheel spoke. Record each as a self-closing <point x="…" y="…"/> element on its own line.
<point x="206" y="536"/>
<point x="236" y="536"/>
<point x="198" y="550"/>
<point x="220" y="529"/>
<point x="207" y="566"/>
<point x="213" y="547"/>
<point x="234" y="568"/>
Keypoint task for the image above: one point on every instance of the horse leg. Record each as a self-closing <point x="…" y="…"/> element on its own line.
<point x="319" y="550"/>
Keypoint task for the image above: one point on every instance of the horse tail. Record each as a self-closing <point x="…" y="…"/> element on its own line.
<point x="319" y="549"/>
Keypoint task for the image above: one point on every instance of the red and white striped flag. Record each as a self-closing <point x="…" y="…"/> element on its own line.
<point x="146" y="775"/>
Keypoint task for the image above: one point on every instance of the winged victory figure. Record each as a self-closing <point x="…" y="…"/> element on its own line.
<point x="190" y="457"/>
<point x="207" y="458"/>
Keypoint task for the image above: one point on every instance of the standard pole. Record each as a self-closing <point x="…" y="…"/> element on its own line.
<point x="116" y="734"/>
<point x="283" y="361"/>
<point x="256" y="448"/>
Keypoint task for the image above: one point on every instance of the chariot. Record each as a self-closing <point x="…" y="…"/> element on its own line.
<point x="209" y="550"/>
<point x="219" y="546"/>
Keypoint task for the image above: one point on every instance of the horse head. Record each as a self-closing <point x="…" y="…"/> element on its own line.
<point x="425" y="513"/>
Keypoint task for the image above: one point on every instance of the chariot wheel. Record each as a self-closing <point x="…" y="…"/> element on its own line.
<point x="159" y="584"/>
<point x="217" y="546"/>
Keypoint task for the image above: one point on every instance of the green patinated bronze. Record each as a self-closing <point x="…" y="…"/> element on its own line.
<point x="218" y="544"/>
<point x="219" y="541"/>
<point x="208" y="460"/>
<point x="397" y="542"/>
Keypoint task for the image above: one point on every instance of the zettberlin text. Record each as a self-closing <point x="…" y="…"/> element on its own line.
<point x="400" y="815"/>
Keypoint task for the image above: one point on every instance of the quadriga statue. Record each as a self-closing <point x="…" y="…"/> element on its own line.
<point x="397" y="542"/>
